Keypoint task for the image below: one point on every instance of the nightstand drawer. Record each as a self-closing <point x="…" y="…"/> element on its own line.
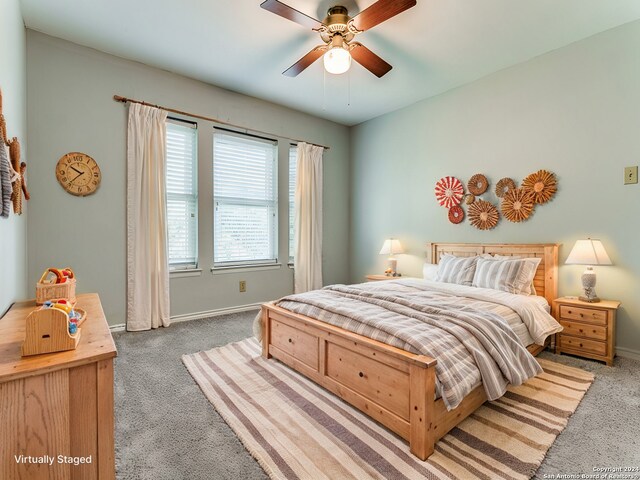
<point x="582" y="345"/>
<point x="599" y="317"/>
<point x="578" y="329"/>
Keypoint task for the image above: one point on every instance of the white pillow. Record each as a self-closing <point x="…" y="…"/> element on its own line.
<point x="514" y="275"/>
<point x="460" y="270"/>
<point x="534" y="260"/>
<point x="430" y="271"/>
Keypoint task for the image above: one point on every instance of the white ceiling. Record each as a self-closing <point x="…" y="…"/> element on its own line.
<point x="433" y="47"/>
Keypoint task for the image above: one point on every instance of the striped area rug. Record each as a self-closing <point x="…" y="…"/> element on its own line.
<point x="296" y="429"/>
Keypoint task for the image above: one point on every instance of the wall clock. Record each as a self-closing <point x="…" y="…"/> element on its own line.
<point x="78" y="173"/>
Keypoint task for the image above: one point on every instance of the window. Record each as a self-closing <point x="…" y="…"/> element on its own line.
<point x="245" y="200"/>
<point x="293" y="160"/>
<point x="182" y="194"/>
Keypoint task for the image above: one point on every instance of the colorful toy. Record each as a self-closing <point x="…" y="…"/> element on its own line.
<point x="75" y="316"/>
<point x="59" y="275"/>
<point x="56" y="278"/>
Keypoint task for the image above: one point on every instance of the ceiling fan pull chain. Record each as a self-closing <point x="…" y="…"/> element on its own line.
<point x="348" y="89"/>
<point x="324" y="90"/>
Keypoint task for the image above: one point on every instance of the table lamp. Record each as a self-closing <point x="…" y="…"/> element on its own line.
<point x="391" y="247"/>
<point x="588" y="252"/>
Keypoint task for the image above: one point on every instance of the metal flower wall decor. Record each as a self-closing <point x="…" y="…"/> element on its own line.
<point x="516" y="204"/>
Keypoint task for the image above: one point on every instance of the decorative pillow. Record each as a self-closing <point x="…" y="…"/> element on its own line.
<point x="430" y="271"/>
<point x="513" y="275"/>
<point x="534" y="260"/>
<point x="460" y="270"/>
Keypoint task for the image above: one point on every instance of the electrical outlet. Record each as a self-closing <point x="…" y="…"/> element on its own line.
<point x="243" y="286"/>
<point x="630" y="175"/>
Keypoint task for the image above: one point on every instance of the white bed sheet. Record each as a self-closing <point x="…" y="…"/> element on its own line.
<point x="535" y="323"/>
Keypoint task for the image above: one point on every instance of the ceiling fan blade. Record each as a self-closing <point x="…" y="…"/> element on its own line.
<point x="305" y="61"/>
<point x="369" y="60"/>
<point x="379" y="12"/>
<point x="290" y="13"/>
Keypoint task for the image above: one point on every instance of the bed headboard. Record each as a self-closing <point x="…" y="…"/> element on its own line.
<point x="546" y="278"/>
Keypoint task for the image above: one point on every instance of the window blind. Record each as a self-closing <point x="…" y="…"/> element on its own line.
<point x="245" y="200"/>
<point x="182" y="194"/>
<point x="293" y="166"/>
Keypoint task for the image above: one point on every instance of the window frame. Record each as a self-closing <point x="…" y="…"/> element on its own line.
<point x="185" y="266"/>
<point x="293" y="175"/>
<point x="229" y="265"/>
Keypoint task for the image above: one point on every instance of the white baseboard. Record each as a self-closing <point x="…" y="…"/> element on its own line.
<point x="215" y="313"/>
<point x="628" y="353"/>
<point x="198" y="315"/>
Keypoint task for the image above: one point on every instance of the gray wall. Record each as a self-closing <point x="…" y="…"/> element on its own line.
<point x="574" y="111"/>
<point x="70" y="108"/>
<point x="13" y="231"/>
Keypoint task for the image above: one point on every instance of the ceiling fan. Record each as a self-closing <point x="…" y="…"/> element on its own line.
<point x="338" y="31"/>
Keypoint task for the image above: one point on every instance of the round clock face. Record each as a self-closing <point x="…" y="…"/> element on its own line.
<point x="78" y="174"/>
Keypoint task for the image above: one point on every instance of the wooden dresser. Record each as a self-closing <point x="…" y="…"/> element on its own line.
<point x="589" y="328"/>
<point x="57" y="407"/>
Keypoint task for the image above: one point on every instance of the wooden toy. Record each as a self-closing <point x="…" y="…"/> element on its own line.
<point x="47" y="330"/>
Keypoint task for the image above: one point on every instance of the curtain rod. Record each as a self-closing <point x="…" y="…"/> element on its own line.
<point x="118" y="98"/>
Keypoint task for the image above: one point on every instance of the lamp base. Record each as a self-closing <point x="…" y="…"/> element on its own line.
<point x="589" y="286"/>
<point x="588" y="299"/>
<point x="391" y="270"/>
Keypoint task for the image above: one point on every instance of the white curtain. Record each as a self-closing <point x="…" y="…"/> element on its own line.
<point x="308" y="219"/>
<point x="147" y="263"/>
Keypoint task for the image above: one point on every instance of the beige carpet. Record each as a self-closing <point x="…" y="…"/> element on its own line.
<point x="296" y="429"/>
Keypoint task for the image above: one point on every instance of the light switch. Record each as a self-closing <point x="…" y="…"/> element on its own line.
<point x="630" y="175"/>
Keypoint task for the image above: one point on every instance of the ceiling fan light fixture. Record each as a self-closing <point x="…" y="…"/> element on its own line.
<point x="337" y="60"/>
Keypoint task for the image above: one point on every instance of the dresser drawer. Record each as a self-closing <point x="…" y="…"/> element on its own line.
<point x="300" y="345"/>
<point x="597" y="317"/>
<point x="579" y="345"/>
<point x="584" y="330"/>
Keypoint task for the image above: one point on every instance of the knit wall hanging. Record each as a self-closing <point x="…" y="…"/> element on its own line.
<point x="13" y="183"/>
<point x="12" y="172"/>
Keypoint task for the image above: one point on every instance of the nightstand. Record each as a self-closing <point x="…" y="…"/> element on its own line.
<point x="589" y="328"/>
<point x="378" y="278"/>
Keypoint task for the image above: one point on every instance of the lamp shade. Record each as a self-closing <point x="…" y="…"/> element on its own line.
<point x="588" y="252"/>
<point x="391" y="247"/>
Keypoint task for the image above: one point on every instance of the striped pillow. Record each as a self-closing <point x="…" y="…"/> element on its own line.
<point x="536" y="262"/>
<point x="460" y="270"/>
<point x="513" y="275"/>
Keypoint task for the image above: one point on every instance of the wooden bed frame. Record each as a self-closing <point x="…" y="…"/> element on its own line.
<point x="392" y="386"/>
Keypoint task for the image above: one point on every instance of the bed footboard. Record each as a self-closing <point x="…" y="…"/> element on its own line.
<point x="394" y="387"/>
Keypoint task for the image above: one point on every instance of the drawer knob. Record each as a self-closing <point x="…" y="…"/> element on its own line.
<point x="582" y="315"/>
<point x="569" y="311"/>
<point x="581" y="345"/>
<point x="290" y="341"/>
<point x="361" y="374"/>
<point x="581" y="331"/>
